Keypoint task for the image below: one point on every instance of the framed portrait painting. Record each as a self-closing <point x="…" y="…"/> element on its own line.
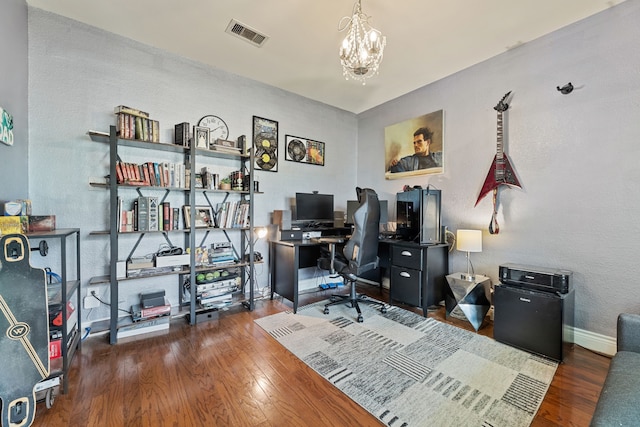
<point x="415" y="146"/>
<point x="265" y="143"/>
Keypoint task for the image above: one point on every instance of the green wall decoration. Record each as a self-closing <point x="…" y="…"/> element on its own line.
<point x="6" y="127"/>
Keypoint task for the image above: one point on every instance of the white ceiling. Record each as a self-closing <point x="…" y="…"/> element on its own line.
<point x="426" y="39"/>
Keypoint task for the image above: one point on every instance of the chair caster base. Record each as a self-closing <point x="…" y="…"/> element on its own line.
<point x="360" y="319"/>
<point x="325" y="311"/>
<point x="383" y="310"/>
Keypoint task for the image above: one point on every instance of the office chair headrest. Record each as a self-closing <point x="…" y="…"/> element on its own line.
<point x="361" y="192"/>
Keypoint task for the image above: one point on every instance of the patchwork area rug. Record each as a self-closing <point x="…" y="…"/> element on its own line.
<point x="408" y="370"/>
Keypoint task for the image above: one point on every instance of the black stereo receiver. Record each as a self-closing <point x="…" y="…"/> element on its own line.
<point x="538" y="278"/>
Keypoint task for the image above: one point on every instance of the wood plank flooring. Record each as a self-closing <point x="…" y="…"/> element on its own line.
<point x="229" y="372"/>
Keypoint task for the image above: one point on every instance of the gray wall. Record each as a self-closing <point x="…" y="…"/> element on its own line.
<point x="14" y="160"/>
<point x="576" y="156"/>
<point x="80" y="73"/>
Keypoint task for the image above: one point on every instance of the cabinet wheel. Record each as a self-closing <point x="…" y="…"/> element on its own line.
<point x="360" y="319"/>
<point x="326" y="310"/>
<point x="49" y="398"/>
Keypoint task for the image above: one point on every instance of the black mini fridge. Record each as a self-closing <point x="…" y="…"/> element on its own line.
<point x="536" y="321"/>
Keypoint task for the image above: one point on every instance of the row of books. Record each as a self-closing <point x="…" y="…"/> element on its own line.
<point x="156" y="174"/>
<point x="136" y="124"/>
<point x="232" y="214"/>
<point x="147" y="214"/>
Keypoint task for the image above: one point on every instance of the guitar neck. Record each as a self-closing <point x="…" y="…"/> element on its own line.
<point x="499" y="172"/>
<point x="499" y="145"/>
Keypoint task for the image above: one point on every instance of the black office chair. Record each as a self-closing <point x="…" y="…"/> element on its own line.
<point x="360" y="253"/>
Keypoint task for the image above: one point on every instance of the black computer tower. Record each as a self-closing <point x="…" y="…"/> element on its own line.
<point x="536" y="321"/>
<point x="418" y="216"/>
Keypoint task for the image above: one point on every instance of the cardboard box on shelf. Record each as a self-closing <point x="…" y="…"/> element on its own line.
<point x="13" y="224"/>
<point x="42" y="223"/>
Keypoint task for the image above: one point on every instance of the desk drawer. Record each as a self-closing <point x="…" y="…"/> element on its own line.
<point x="405" y="256"/>
<point x="406" y="285"/>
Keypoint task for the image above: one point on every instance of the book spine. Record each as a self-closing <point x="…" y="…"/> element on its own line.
<point x="166" y="218"/>
<point x="135" y="215"/>
<point x="138" y="128"/>
<point x="156" y="171"/>
<point x="132" y="127"/>
<point x="143" y="213"/>
<point x="156" y="131"/>
<point x="155" y="311"/>
<point x="181" y="134"/>
<point x="165" y="171"/>
<point x="119" y="175"/>
<point x="153" y="214"/>
<point x="152" y="175"/>
<point x="176" y="218"/>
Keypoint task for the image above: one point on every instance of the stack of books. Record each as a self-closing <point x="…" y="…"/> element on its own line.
<point x="221" y="254"/>
<point x="146" y="319"/>
<point x="218" y="293"/>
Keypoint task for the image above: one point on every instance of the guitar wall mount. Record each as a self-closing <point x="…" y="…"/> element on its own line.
<point x="566" y="89"/>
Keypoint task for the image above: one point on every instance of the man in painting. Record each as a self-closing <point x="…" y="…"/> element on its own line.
<point x="421" y="158"/>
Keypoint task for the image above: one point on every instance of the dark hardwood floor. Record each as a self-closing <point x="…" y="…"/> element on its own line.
<point x="229" y="372"/>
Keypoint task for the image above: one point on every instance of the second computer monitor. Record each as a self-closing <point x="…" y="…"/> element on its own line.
<point x="352" y="205"/>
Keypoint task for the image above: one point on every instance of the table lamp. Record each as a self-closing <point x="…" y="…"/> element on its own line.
<point x="469" y="241"/>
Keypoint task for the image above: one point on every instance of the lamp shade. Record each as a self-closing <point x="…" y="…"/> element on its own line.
<point x="261" y="232"/>
<point x="469" y="240"/>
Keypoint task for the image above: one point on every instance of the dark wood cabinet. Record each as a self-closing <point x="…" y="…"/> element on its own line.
<point x="418" y="274"/>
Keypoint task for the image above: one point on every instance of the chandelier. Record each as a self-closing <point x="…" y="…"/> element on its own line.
<point x="362" y="47"/>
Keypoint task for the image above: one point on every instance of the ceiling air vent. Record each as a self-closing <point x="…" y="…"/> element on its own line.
<point x="244" y="32"/>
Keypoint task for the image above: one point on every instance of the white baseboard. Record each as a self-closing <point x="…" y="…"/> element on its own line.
<point x="595" y="342"/>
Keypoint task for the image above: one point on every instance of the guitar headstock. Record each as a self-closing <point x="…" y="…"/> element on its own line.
<point x="502" y="106"/>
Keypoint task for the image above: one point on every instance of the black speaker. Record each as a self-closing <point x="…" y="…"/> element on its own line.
<point x="338" y="219"/>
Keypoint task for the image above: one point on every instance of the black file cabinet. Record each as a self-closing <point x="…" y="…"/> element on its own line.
<point x="418" y="274"/>
<point x="536" y="321"/>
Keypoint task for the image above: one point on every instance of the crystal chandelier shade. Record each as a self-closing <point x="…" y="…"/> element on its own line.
<point x="362" y="48"/>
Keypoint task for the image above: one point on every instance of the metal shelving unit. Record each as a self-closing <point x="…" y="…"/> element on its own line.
<point x="245" y="255"/>
<point x="69" y="286"/>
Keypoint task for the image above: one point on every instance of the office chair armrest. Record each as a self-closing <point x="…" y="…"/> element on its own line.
<point x="358" y="270"/>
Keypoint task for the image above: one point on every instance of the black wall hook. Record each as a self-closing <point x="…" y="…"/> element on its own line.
<point x="566" y="89"/>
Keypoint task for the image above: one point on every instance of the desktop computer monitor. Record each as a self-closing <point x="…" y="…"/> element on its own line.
<point x="314" y="208"/>
<point x="352" y="205"/>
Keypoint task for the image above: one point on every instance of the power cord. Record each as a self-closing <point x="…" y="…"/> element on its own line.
<point x="93" y="293"/>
